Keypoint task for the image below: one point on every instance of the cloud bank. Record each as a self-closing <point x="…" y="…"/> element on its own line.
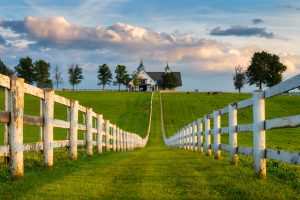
<point x="54" y="38"/>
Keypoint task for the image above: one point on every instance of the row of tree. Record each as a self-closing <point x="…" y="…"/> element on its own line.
<point x="39" y="73"/>
<point x="264" y="69"/>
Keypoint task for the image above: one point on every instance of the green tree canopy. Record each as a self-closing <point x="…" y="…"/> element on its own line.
<point x="136" y="80"/>
<point x="5" y="70"/>
<point x="25" y="69"/>
<point x="169" y="80"/>
<point x="104" y="75"/>
<point x="121" y="76"/>
<point x="75" y="75"/>
<point x="239" y="79"/>
<point x="42" y="74"/>
<point x="265" y="68"/>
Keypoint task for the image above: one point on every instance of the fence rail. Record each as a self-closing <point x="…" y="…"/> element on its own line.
<point x="194" y="137"/>
<point x="105" y="133"/>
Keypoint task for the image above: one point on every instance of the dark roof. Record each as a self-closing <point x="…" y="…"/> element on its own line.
<point x="157" y="76"/>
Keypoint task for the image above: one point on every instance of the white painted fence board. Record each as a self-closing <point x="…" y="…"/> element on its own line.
<point x="244" y="150"/>
<point x="224" y="130"/>
<point x="37" y="146"/>
<point x="4" y="81"/>
<point x="287" y="85"/>
<point x="62" y="100"/>
<point x="61" y="123"/>
<point x="82" y="108"/>
<point x="81" y="127"/>
<point x="224" y="111"/>
<point x="283" y="156"/>
<point x="34" y="91"/>
<point x="94" y="130"/>
<point x="80" y="142"/>
<point x="4" y="150"/>
<point x="60" y="143"/>
<point x="245" y="128"/>
<point x="225" y="147"/>
<point x="290" y="121"/>
<point x="245" y="103"/>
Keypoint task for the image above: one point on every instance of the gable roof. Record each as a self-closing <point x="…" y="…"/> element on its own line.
<point x="157" y="76"/>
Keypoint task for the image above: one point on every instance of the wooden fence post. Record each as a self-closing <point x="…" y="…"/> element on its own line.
<point x="182" y="138"/>
<point x="207" y="135"/>
<point x="114" y="138"/>
<point x="118" y="138"/>
<point x="99" y="133"/>
<point x="48" y="128"/>
<point x="6" y="125"/>
<point x="84" y="123"/>
<point x="89" y="133"/>
<point x="121" y="140"/>
<point x="188" y="137"/>
<point x="194" y="136"/>
<point x="74" y="129"/>
<point x="125" y="141"/>
<point x="185" y="137"/>
<point x="107" y="136"/>
<point x="16" y="128"/>
<point x="232" y="118"/>
<point x="217" y="135"/>
<point x="259" y="140"/>
<point x="41" y="115"/>
<point x="68" y="119"/>
<point x="200" y="136"/>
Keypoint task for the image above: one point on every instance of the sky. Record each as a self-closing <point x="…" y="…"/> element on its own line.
<point x="204" y="40"/>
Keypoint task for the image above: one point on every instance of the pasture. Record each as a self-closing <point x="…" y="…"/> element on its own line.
<point x="156" y="172"/>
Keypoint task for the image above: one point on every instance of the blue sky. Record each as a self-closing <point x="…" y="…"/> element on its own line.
<point x="204" y="40"/>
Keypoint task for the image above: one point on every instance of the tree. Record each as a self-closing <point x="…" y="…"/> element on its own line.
<point x="75" y="75"/>
<point x="265" y="68"/>
<point x="169" y="80"/>
<point x="42" y="74"/>
<point x="25" y="69"/>
<point x="5" y="70"/>
<point x="57" y="76"/>
<point x="121" y="76"/>
<point x="136" y="80"/>
<point x="239" y="79"/>
<point x="104" y="75"/>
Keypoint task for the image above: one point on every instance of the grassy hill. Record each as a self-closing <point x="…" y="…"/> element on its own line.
<point x="155" y="172"/>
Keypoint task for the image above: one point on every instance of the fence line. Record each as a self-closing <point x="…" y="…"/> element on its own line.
<point x="107" y="134"/>
<point x="191" y="136"/>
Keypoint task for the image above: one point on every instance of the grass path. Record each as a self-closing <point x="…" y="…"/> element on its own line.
<point x="155" y="172"/>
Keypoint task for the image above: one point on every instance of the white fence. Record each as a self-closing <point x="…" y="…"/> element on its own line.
<point x="95" y="127"/>
<point x="194" y="137"/>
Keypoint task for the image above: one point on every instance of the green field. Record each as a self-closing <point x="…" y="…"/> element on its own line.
<point x="156" y="172"/>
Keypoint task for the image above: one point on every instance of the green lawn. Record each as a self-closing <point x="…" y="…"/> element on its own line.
<point x="155" y="172"/>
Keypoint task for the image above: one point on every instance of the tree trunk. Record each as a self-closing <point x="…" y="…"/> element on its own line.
<point x="103" y="87"/>
<point x="260" y="84"/>
<point x="57" y="85"/>
<point x="119" y="87"/>
<point x="239" y="90"/>
<point x="73" y="88"/>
